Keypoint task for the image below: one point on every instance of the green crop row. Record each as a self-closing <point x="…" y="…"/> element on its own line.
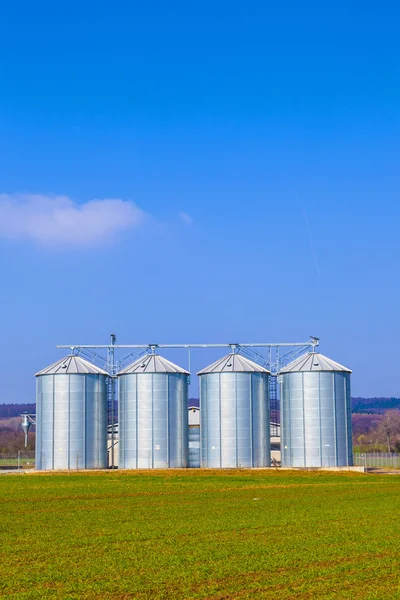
<point x="205" y="534"/>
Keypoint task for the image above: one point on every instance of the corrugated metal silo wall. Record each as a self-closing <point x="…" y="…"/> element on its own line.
<point x="71" y="422"/>
<point x="316" y="420"/>
<point x="153" y="421"/>
<point x="234" y="410"/>
<point x="194" y="447"/>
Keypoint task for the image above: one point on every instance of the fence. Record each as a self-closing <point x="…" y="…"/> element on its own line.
<point x="377" y="459"/>
<point x="17" y="460"/>
<point x="26" y="460"/>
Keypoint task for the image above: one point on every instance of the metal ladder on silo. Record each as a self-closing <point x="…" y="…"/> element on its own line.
<point x="273" y="386"/>
<point x="274" y="405"/>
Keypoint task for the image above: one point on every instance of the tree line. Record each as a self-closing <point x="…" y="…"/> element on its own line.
<point x="376" y="432"/>
<point x="7" y="411"/>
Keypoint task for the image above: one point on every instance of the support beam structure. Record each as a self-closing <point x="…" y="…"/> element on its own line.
<point x="278" y="355"/>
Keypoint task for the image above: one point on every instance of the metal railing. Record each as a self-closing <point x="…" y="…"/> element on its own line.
<point x="377" y="459"/>
<point x="17" y="460"/>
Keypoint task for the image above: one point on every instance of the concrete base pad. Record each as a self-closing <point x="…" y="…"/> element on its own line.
<point x="354" y="469"/>
<point x="193" y="469"/>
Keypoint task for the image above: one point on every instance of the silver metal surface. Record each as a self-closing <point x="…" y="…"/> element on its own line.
<point x="313" y="361"/>
<point x="153" y="416"/>
<point x="71" y="420"/>
<point x="312" y="342"/>
<point x="277" y="354"/>
<point x="316" y="417"/>
<point x="71" y="365"/>
<point x="26" y="425"/>
<point x="112" y="369"/>
<point x="233" y="363"/>
<point x="153" y="363"/>
<point x="194" y="447"/>
<point x="234" y="412"/>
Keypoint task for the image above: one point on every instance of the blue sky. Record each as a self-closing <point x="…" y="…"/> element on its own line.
<point x="180" y="172"/>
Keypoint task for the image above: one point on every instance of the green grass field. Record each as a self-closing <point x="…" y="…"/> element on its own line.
<point x="206" y="534"/>
<point x="24" y="463"/>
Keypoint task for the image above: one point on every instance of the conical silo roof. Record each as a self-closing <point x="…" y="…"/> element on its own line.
<point x="233" y="363"/>
<point x="72" y="365"/>
<point x="313" y="361"/>
<point x="152" y="363"/>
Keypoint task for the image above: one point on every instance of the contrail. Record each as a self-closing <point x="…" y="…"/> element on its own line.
<point x="310" y="237"/>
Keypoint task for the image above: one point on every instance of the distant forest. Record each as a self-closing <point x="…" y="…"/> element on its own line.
<point x="7" y="411"/>
<point x="373" y="406"/>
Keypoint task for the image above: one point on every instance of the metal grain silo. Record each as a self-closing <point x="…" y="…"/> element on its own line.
<point x="153" y="415"/>
<point x="315" y="413"/>
<point x="234" y="411"/>
<point x="71" y="416"/>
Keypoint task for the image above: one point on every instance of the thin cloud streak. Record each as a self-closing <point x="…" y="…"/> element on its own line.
<point x="310" y="237"/>
<point x="185" y="218"/>
<point x="59" y="221"/>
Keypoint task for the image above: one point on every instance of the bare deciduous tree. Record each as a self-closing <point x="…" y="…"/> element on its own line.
<point x="389" y="428"/>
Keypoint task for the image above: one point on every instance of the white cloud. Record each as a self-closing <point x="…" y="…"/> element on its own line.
<point x="58" y="220"/>
<point x="185" y="218"/>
